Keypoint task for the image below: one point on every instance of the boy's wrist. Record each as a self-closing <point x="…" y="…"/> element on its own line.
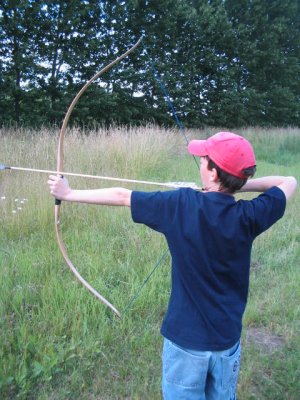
<point x="68" y="195"/>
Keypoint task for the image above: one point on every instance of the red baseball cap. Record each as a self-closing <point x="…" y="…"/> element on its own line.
<point x="231" y="152"/>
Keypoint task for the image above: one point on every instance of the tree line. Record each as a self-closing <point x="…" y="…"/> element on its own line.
<point x="223" y="62"/>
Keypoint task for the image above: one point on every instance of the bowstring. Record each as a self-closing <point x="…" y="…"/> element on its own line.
<point x="167" y="97"/>
<point x="182" y="131"/>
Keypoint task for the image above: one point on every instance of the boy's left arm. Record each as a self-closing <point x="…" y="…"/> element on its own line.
<point x="287" y="184"/>
<point x="61" y="190"/>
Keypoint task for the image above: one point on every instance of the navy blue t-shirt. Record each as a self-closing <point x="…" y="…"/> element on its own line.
<point x="210" y="237"/>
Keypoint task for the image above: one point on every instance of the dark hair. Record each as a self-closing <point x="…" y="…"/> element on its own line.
<point x="230" y="183"/>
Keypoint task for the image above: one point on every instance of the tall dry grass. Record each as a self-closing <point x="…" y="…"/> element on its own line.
<point x="57" y="341"/>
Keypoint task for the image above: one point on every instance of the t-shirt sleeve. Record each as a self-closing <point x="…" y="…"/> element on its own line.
<point x="267" y="208"/>
<point x="154" y="209"/>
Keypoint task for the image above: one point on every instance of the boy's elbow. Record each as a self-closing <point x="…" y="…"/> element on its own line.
<point x="124" y="197"/>
<point x="289" y="186"/>
<point x="293" y="182"/>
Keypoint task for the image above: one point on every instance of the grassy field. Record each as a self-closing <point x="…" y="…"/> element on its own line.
<point x="57" y="341"/>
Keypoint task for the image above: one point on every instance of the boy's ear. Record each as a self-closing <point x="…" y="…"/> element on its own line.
<point x="214" y="175"/>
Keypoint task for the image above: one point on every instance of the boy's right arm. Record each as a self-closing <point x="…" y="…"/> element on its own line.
<point x="287" y="184"/>
<point x="60" y="189"/>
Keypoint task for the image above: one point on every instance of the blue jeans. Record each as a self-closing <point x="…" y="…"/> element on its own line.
<point x="199" y="375"/>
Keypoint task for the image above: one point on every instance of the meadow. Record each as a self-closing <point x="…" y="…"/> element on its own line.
<point x="59" y="342"/>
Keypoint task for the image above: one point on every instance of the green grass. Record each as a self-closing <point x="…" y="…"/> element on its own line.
<point x="57" y="341"/>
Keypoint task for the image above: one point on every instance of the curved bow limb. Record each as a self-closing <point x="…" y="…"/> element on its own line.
<point x="74" y="270"/>
<point x="59" y="168"/>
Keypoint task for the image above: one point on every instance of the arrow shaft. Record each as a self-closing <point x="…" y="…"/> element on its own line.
<point x="105" y="178"/>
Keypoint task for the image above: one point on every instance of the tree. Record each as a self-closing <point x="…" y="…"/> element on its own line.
<point x="223" y="62"/>
<point x="17" y="36"/>
<point x="268" y="43"/>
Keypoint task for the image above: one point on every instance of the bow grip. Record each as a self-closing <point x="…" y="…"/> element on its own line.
<point x="57" y="202"/>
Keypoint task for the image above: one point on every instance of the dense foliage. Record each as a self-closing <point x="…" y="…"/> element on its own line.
<point x="224" y="62"/>
<point x="57" y="341"/>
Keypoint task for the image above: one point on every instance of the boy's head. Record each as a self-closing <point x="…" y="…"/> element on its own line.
<point x="231" y="155"/>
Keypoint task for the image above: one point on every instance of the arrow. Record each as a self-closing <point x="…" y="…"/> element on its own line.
<point x="174" y="185"/>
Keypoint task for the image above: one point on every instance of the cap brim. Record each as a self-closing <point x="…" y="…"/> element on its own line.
<point x="198" y="148"/>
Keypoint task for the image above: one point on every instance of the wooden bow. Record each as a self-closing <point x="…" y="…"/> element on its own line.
<point x="59" y="168"/>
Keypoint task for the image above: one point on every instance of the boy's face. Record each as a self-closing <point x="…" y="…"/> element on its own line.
<point x="209" y="177"/>
<point x="204" y="172"/>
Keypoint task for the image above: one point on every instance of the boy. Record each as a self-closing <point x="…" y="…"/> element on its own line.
<point x="210" y="236"/>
